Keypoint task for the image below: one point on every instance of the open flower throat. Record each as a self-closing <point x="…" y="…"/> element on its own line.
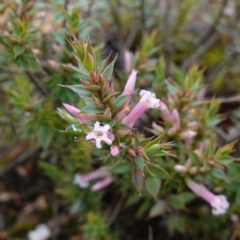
<point x="101" y="134"/>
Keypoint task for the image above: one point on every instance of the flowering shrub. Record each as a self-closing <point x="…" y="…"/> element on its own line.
<point x="146" y="134"/>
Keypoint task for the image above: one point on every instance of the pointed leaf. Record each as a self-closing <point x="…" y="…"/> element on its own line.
<point x="157" y="209"/>
<point x="121" y="126"/>
<point x="93" y="88"/>
<point x="18" y="50"/>
<point x="78" y="89"/>
<point x="91" y="110"/>
<point x="109" y="70"/>
<point x="122" y="167"/>
<point x="137" y="177"/>
<point x="88" y="62"/>
<point x="153" y="185"/>
<point x="155" y="141"/>
<point x="140" y="162"/>
<point x="81" y="71"/>
<point x="119" y="101"/>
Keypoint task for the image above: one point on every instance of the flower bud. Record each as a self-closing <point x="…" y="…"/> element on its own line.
<point x="166" y="114"/>
<point x="75" y="112"/>
<point x="180" y="168"/>
<point x="127" y="60"/>
<point x="114" y="150"/>
<point x="157" y="127"/>
<point x="175" y="119"/>
<point x="193" y="170"/>
<point x="132" y="153"/>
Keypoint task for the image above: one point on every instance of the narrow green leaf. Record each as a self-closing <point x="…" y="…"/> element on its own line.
<point x="195" y="158"/>
<point x="140" y="162"/>
<point x="81" y="71"/>
<point x="91" y="110"/>
<point x="110" y="96"/>
<point x="88" y="62"/>
<point x="121" y="126"/>
<point x="78" y="89"/>
<point x="158" y="171"/>
<point x="176" y="201"/>
<point x="109" y="69"/>
<point x="122" y="167"/>
<point x="93" y="88"/>
<point x="104" y="63"/>
<point x="155" y="141"/>
<point x="111" y="122"/>
<point x="18" y="50"/>
<point x="119" y="101"/>
<point x="153" y="185"/>
<point x="137" y="178"/>
<point x="217" y="173"/>
<point x="157" y="209"/>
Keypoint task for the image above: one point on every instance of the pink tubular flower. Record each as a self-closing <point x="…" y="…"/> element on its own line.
<point x="130" y="85"/>
<point x="83" y="181"/>
<point x="114" y="150"/>
<point x="101" y="134"/>
<point x="165" y="112"/>
<point x="80" y="181"/>
<point x="148" y="100"/>
<point x="218" y="203"/>
<point x="127" y="60"/>
<point x="102" y="184"/>
<point x="75" y="112"/>
<point x="175" y="119"/>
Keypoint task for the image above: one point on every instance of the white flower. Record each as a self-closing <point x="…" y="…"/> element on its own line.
<point x="149" y="99"/>
<point x="101" y="133"/>
<point x="219" y="205"/>
<point x="41" y="232"/>
<point x="80" y="181"/>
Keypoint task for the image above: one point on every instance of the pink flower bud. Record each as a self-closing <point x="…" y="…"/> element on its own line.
<point x="175" y="119"/>
<point x="180" y="168"/>
<point x="166" y="114"/>
<point x="132" y="153"/>
<point x="54" y="65"/>
<point x="201" y="94"/>
<point x="75" y="112"/>
<point x="157" y="127"/>
<point x="218" y="203"/>
<point x="114" y="150"/>
<point x="127" y="60"/>
<point x="102" y="184"/>
<point x="188" y="136"/>
<point x="130" y="85"/>
<point x="193" y="170"/>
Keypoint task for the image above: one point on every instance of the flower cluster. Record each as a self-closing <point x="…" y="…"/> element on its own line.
<point x="107" y="119"/>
